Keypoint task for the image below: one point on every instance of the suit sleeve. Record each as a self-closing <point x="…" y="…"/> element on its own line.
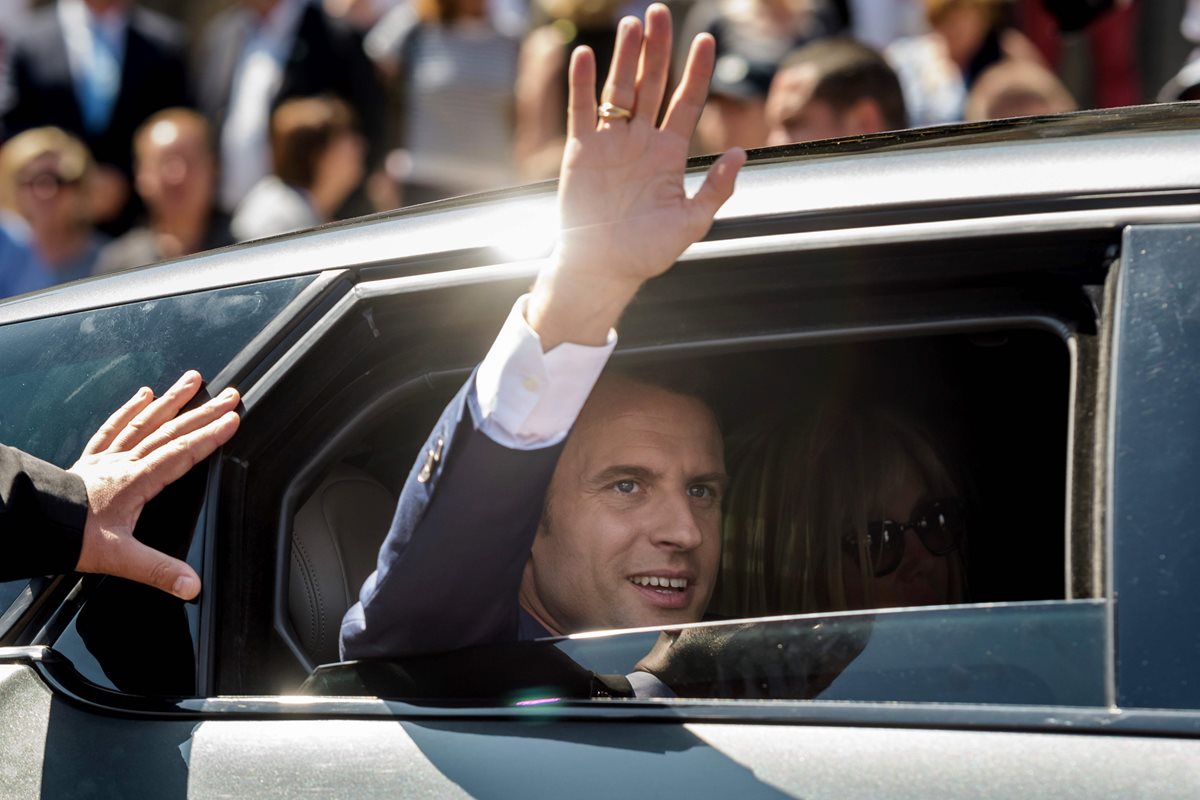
<point x="42" y="513"/>
<point x="450" y="569"/>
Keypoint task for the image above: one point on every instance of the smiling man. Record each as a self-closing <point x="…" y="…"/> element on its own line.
<point x="631" y="530"/>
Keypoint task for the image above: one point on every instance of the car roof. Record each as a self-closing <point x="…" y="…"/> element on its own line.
<point x="1114" y="151"/>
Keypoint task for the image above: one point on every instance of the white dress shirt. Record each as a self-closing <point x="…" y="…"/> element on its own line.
<point x="526" y="399"/>
<point x="245" y="136"/>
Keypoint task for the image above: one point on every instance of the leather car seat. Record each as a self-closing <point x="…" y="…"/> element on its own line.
<point x="336" y="536"/>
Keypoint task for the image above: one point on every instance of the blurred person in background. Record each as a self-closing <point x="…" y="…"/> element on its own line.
<point x="97" y="69"/>
<point x="44" y="174"/>
<point x="260" y="53"/>
<point x="452" y="74"/>
<point x="878" y="23"/>
<point x="752" y="37"/>
<point x="361" y="15"/>
<point x="1185" y="85"/>
<point x="735" y="111"/>
<point x="1017" y="89"/>
<point x="937" y="69"/>
<point x="176" y="178"/>
<point x="14" y="16"/>
<point x="1190" y="27"/>
<point x="833" y="88"/>
<point x="1108" y="26"/>
<point x="541" y="88"/>
<point x="317" y="156"/>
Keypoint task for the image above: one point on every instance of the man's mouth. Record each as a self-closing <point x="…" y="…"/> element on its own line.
<point x="664" y="585"/>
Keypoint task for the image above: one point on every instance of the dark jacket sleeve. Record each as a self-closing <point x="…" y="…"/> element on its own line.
<point x="450" y="568"/>
<point x="42" y="513"/>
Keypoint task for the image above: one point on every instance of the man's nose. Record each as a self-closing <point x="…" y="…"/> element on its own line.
<point x="677" y="526"/>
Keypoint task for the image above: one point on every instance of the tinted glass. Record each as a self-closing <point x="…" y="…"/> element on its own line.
<point x="1156" y="470"/>
<point x="1040" y="653"/>
<point x="61" y="377"/>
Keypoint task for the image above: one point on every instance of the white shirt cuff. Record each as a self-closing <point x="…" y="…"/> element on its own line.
<point x="525" y="399"/>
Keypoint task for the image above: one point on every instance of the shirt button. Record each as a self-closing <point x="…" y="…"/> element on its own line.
<point x="531" y="383"/>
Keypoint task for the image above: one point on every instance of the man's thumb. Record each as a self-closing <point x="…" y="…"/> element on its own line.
<point x="146" y="565"/>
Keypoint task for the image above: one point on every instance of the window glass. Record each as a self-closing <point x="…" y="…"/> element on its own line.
<point x="60" y="377"/>
<point x="1037" y="653"/>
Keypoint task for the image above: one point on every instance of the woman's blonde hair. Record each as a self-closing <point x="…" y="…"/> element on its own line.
<point x="800" y="486"/>
<point x="74" y="161"/>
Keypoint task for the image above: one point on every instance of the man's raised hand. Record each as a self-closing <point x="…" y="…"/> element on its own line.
<point x="140" y="449"/>
<point x="625" y="215"/>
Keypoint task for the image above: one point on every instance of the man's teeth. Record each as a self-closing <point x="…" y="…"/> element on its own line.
<point x="662" y="583"/>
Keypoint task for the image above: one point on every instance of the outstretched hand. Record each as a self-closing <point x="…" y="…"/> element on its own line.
<point x="625" y="215"/>
<point x="140" y="449"/>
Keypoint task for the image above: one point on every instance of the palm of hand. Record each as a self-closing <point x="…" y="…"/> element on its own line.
<point x="624" y="209"/>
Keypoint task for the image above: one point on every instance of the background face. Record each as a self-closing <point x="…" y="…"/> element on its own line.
<point x="43" y="199"/>
<point x="793" y="115"/>
<point x="176" y="172"/>
<point x="636" y="496"/>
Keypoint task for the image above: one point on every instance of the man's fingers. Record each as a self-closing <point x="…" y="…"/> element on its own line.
<point x="655" y="63"/>
<point x="117" y="422"/>
<point x="172" y="461"/>
<point x="688" y="101"/>
<point x="717" y="187"/>
<point x="159" y="412"/>
<point x="581" y="93"/>
<point x="186" y="423"/>
<point x="622" y="74"/>
<point x="143" y="564"/>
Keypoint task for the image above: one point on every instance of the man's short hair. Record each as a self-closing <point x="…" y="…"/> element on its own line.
<point x="1016" y="88"/>
<point x="301" y="129"/>
<point x="849" y="71"/>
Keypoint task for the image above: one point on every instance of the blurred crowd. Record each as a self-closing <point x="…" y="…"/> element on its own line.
<point x="128" y="140"/>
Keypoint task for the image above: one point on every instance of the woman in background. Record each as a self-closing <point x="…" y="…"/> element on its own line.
<point x="44" y="174"/>
<point x="937" y="69"/>
<point x="318" y="157"/>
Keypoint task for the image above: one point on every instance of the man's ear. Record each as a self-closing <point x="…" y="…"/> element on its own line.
<point x="864" y="116"/>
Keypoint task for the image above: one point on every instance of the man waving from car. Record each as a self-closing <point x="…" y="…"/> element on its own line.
<point x="631" y="529"/>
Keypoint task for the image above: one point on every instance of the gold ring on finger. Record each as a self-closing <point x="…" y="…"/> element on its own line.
<point x="610" y="111"/>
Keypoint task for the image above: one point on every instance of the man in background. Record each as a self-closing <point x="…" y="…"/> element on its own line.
<point x="833" y="88"/>
<point x="261" y="53"/>
<point x="176" y="178"/>
<point x="1014" y="88"/>
<point x="96" y="69"/>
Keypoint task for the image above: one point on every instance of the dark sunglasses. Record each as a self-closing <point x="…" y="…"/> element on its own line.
<point x="939" y="524"/>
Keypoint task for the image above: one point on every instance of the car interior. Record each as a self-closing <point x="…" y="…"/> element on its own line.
<point x="981" y="362"/>
<point x="989" y="345"/>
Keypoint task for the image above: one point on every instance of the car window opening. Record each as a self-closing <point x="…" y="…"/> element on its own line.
<point x="902" y="473"/>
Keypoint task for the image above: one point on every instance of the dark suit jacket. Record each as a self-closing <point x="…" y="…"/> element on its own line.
<point x="152" y="78"/>
<point x="327" y="58"/>
<point x="450" y="569"/>
<point x="42" y="513"/>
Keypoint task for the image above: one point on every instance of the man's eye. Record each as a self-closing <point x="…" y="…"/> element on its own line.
<point x="625" y="487"/>
<point x="700" y="491"/>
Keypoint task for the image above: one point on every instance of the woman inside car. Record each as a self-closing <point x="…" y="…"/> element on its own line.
<point x="850" y="506"/>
